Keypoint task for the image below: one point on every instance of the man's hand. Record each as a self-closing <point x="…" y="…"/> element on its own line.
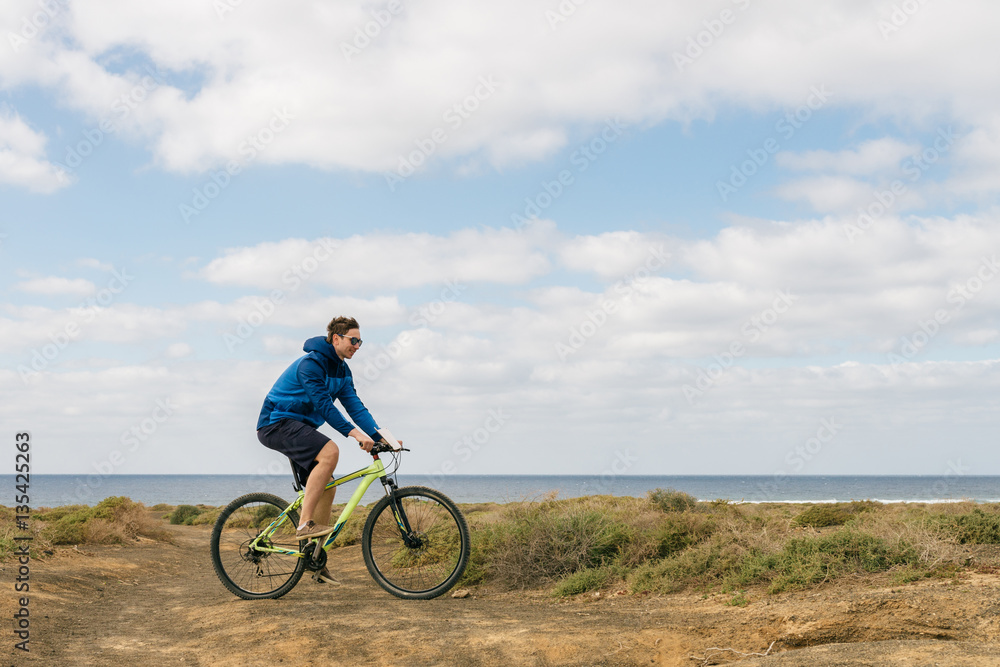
<point x="363" y="439"/>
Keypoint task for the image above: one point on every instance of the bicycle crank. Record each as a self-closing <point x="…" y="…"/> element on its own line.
<point x="315" y="558"/>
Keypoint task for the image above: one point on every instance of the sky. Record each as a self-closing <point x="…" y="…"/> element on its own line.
<point x="581" y="237"/>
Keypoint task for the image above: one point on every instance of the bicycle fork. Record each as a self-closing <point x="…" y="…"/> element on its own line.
<point x="411" y="540"/>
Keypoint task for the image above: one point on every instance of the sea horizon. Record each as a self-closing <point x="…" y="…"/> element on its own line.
<point x="51" y="490"/>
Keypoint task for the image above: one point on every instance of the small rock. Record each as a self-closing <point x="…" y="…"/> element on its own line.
<point x="461" y="593"/>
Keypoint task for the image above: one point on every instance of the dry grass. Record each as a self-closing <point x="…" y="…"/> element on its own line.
<point x="115" y="520"/>
<point x="661" y="543"/>
<point x="38" y="545"/>
<point x="525" y="544"/>
<point x="665" y="543"/>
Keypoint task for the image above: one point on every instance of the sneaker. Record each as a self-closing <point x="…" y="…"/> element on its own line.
<point x="324" y="577"/>
<point x="313" y="529"/>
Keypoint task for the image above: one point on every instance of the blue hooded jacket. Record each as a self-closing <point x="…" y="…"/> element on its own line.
<point x="306" y="390"/>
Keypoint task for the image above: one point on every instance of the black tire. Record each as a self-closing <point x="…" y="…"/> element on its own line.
<point x="434" y="559"/>
<point x="250" y="574"/>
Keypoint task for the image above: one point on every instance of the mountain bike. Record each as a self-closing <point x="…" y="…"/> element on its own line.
<point x="415" y="541"/>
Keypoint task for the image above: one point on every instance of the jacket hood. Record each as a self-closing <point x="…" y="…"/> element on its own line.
<point x="319" y="344"/>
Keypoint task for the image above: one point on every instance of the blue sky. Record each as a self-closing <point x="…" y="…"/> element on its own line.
<point x="695" y="291"/>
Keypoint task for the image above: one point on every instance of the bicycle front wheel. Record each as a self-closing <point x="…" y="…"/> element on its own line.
<point x="250" y="572"/>
<point x="425" y="561"/>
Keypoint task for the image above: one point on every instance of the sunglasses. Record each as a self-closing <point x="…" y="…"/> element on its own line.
<point x="354" y="340"/>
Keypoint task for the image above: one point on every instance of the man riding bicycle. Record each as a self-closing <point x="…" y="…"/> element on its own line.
<point x="299" y="402"/>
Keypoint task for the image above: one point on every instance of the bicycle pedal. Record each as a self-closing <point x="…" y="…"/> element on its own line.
<point x="331" y="580"/>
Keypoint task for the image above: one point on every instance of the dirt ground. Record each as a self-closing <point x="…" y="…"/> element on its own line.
<point x="158" y="604"/>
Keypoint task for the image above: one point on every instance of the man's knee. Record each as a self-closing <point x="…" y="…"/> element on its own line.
<point x="329" y="454"/>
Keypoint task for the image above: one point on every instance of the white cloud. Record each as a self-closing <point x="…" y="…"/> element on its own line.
<point x="861" y="177"/>
<point x="432" y="369"/>
<point x="460" y="323"/>
<point x="858" y="291"/>
<point x="92" y="263"/>
<point x="380" y="261"/>
<point x="545" y="83"/>
<point x="977" y="155"/>
<point x="179" y="350"/>
<point x="280" y="345"/>
<point x="22" y="157"/>
<point x="29" y="329"/>
<point x="52" y="285"/>
<point x="306" y="312"/>
<point x="592" y="409"/>
<point x="614" y="254"/>
<point x="871" y="157"/>
<point x="827" y="193"/>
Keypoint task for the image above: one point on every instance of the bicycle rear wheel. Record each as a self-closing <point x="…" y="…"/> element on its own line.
<point x="425" y="561"/>
<point x="249" y="573"/>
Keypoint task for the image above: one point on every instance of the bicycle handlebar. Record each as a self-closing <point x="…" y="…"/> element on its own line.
<point x="383" y="446"/>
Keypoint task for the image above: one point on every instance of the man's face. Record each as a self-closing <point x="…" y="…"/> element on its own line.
<point x="342" y="344"/>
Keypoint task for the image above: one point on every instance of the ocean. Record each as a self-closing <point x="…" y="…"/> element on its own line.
<point x="55" y="490"/>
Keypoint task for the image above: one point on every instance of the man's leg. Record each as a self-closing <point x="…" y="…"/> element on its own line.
<point x="324" y="506"/>
<point x="326" y="463"/>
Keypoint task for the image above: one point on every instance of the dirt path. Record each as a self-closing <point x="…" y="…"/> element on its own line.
<point x="161" y="605"/>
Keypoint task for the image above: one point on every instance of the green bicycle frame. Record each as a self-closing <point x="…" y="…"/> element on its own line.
<point x="375" y="471"/>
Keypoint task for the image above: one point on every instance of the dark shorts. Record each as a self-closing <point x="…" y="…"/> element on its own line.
<point x="299" y="442"/>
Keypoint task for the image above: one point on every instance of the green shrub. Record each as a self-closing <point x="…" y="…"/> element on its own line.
<point x="534" y="543"/>
<point x="589" y="579"/>
<point x="114" y="520"/>
<point x="69" y="527"/>
<point x="207" y="516"/>
<point x="587" y="544"/>
<point x="65" y="532"/>
<point x="113" y="505"/>
<point x="671" y="500"/>
<point x="975" y="527"/>
<point x="703" y="566"/>
<point x="265" y="514"/>
<point x="833" y="514"/>
<point x="679" y="531"/>
<point x="57" y="513"/>
<point x="793" y="563"/>
<point x="184" y="514"/>
<point x="810" y="560"/>
<point x="910" y="573"/>
<point x="738" y="600"/>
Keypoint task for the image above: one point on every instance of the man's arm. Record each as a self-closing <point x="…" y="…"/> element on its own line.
<point x="359" y="413"/>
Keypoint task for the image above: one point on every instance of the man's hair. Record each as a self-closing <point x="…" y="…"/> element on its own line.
<point x="340" y="325"/>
